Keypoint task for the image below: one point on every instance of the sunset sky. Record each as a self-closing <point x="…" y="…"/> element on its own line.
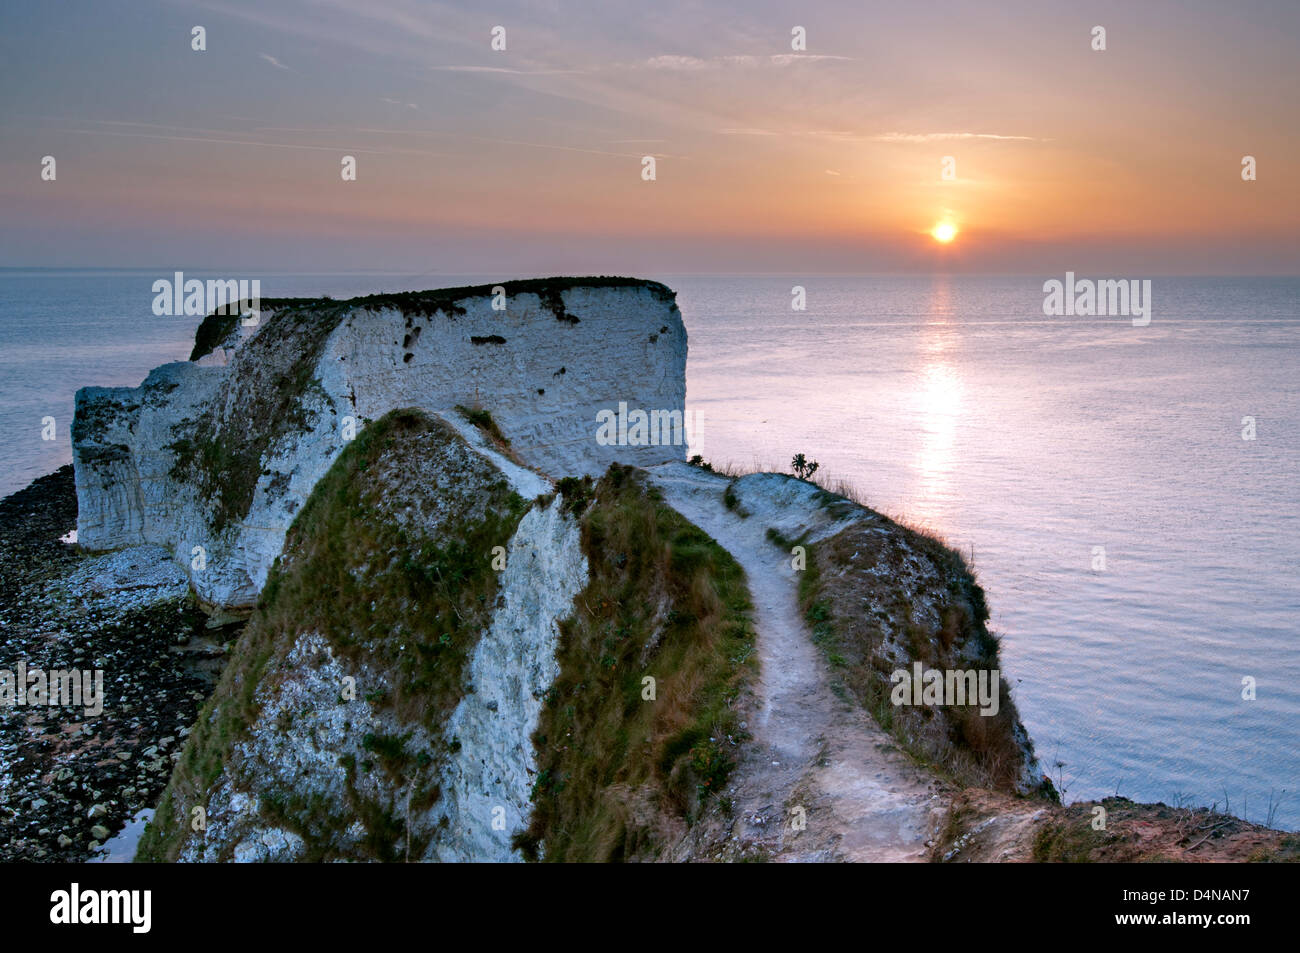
<point x="768" y="160"/>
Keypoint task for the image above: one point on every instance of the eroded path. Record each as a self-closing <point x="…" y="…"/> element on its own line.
<point x="864" y="800"/>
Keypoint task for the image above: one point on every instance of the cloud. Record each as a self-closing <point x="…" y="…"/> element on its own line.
<point x="831" y="172"/>
<point x="695" y="63"/>
<point x="839" y="135"/>
<point x="676" y="63"/>
<point x="273" y="61"/>
<point x="790" y="59"/>
<point x="936" y="136"/>
<point x="224" y="138"/>
<point x="832" y="134"/>
<point x="503" y="69"/>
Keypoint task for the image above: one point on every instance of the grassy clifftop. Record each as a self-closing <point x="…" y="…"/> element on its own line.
<point x="880" y="597"/>
<point x="989" y="827"/>
<point x="386" y="578"/>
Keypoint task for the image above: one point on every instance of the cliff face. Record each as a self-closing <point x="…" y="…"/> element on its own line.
<point x="408" y="691"/>
<point x="379" y="704"/>
<point x="212" y="459"/>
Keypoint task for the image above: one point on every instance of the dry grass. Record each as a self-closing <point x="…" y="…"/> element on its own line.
<point x="838" y="487"/>
<point x="865" y="595"/>
<point x="621" y="776"/>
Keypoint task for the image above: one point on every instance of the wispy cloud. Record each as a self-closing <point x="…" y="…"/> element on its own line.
<point x="238" y="142"/>
<point x="695" y="63"/>
<point x="840" y="135"/>
<point x="835" y="135"/>
<point x="503" y="69"/>
<point x="431" y="133"/>
<point x="222" y="137"/>
<point x="936" y="136"/>
<point x="790" y="59"/>
<point x="273" y="61"/>
<point x="676" y="63"/>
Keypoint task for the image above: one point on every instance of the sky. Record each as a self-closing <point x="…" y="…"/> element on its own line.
<point x="768" y="159"/>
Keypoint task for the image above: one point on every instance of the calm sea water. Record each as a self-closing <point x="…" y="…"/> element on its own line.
<point x="954" y="403"/>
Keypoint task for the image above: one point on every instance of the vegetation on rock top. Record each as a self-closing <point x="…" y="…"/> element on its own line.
<point x="622" y="776"/>
<point x="215" y="328"/>
<point x="859" y="594"/>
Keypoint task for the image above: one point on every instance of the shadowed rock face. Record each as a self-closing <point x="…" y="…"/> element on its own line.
<point x="212" y="459"/>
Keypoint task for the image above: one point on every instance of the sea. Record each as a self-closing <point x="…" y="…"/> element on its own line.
<point x="1128" y="494"/>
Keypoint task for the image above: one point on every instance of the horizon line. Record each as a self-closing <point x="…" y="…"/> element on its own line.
<point x="524" y="274"/>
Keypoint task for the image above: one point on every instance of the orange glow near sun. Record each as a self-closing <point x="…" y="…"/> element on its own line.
<point x="944" y="232"/>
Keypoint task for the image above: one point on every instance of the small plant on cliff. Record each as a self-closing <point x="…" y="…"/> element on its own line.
<point x="482" y="419"/>
<point x="803" y="467"/>
<point x="576" y="491"/>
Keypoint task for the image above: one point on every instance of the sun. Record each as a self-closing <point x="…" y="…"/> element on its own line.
<point x="944" y="232"/>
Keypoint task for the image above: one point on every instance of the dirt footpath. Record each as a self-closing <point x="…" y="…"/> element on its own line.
<point x="862" y="799"/>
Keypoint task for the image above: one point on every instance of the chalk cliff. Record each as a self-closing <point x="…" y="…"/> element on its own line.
<point x="212" y="459"/>
<point x="380" y="704"/>
<point x="479" y="629"/>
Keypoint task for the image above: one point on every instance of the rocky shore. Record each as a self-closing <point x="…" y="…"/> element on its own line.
<point x="70" y="780"/>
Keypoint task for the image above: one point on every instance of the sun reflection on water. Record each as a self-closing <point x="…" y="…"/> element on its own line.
<point x="938" y="407"/>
